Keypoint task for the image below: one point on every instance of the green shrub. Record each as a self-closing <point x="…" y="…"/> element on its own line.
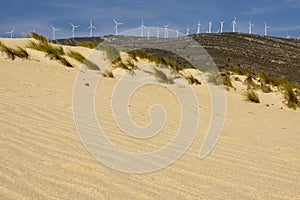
<point x="80" y="58"/>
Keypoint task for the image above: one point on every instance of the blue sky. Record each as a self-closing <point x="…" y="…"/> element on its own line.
<point x="283" y="16"/>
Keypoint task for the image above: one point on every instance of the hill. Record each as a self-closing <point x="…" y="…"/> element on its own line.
<point x="274" y="56"/>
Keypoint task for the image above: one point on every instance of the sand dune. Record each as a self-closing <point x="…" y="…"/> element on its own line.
<point x="42" y="156"/>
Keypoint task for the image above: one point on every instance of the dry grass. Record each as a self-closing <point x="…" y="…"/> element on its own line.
<point x="13" y="53"/>
<point x="252" y="96"/>
<point x="80" y="58"/>
<point x="53" y="52"/>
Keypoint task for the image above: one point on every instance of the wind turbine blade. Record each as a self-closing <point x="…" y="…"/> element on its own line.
<point x="115" y="21"/>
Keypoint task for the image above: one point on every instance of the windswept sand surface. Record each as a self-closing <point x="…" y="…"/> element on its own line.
<point x="42" y="156"/>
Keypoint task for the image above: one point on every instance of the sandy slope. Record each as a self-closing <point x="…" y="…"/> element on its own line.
<point x="42" y="156"/>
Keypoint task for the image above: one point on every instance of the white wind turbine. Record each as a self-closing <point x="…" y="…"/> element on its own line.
<point x="222" y="25"/>
<point x="209" y="26"/>
<point x="188" y="30"/>
<point x="91" y="27"/>
<point x="11" y="33"/>
<point x="73" y="28"/>
<point x="250" y="27"/>
<point x="117" y="24"/>
<point x="177" y="33"/>
<point x="198" y="28"/>
<point x="142" y="27"/>
<point x="166" y="27"/>
<point x="157" y="33"/>
<point x="234" y="24"/>
<point x="266" y="29"/>
<point x="53" y="31"/>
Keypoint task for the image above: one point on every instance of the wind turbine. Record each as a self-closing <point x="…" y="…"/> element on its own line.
<point x="73" y="28"/>
<point x="177" y="33"/>
<point x="166" y="30"/>
<point x="11" y="33"/>
<point x="188" y="30"/>
<point x="234" y="23"/>
<point x="198" y="28"/>
<point x="116" y="25"/>
<point x="91" y="27"/>
<point x="157" y="33"/>
<point x="222" y="25"/>
<point x="266" y="29"/>
<point x="209" y="26"/>
<point x="250" y="27"/>
<point x="53" y="32"/>
<point x="142" y="27"/>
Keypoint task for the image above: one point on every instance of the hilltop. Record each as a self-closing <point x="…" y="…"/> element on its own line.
<point x="274" y="56"/>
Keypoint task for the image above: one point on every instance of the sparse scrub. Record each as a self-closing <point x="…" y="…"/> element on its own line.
<point x="37" y="36"/>
<point x="252" y="96"/>
<point x="80" y="58"/>
<point x="90" y="45"/>
<point x="111" y="51"/>
<point x="240" y="71"/>
<point x="214" y="78"/>
<point x="162" y="77"/>
<point x="108" y="73"/>
<point x="192" y="80"/>
<point x="226" y="79"/>
<point x="290" y="96"/>
<point x="153" y="58"/>
<point x="8" y="51"/>
<point x="53" y="52"/>
<point x="13" y="53"/>
<point x="249" y="82"/>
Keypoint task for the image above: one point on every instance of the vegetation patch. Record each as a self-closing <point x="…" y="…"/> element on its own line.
<point x="252" y="96"/>
<point x="80" y="58"/>
<point x="13" y="53"/>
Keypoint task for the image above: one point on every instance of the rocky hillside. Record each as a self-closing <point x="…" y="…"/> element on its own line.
<point x="274" y="56"/>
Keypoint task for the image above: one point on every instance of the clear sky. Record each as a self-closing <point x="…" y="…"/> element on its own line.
<point x="283" y="16"/>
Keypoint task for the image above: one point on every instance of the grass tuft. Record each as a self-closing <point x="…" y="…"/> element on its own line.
<point x="252" y="96"/>
<point x="80" y="58"/>
<point x="53" y="52"/>
<point x="39" y="37"/>
<point x="13" y="53"/>
<point x="290" y="97"/>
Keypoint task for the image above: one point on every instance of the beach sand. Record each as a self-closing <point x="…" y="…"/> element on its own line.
<point x="42" y="157"/>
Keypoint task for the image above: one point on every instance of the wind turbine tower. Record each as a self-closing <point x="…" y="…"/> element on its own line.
<point x="198" y="28"/>
<point x="142" y="27"/>
<point x="177" y="33"/>
<point x="234" y="23"/>
<point x="250" y="27"/>
<point x="166" y="26"/>
<point x="117" y="24"/>
<point x="209" y="26"/>
<point x="73" y="28"/>
<point x="188" y="30"/>
<point x="54" y="32"/>
<point x="91" y="27"/>
<point x="11" y="33"/>
<point x="266" y="29"/>
<point x="222" y="25"/>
